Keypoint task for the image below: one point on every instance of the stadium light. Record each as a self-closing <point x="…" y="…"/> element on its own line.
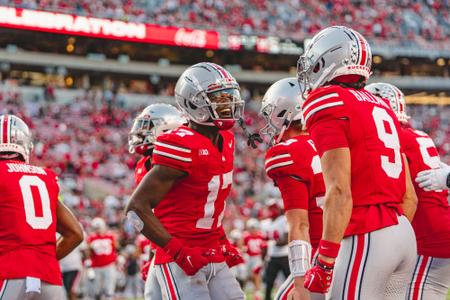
<point x="440" y="62"/>
<point x="69" y="81"/>
<point x="377" y="59"/>
<point x="70" y="48"/>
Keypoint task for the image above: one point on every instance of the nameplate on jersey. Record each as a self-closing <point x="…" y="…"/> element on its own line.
<point x="22" y="168"/>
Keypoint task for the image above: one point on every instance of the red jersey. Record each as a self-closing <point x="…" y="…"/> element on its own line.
<point x="142" y="167"/>
<point x="194" y="207"/>
<point x="103" y="249"/>
<point x="338" y="117"/>
<point x="255" y="243"/>
<point x="28" y="202"/>
<point x="431" y="222"/>
<point x="294" y="166"/>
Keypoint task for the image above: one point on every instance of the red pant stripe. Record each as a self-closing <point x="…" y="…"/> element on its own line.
<point x="169" y="281"/>
<point x="289" y="288"/>
<point x="3" y="284"/>
<point x="355" y="274"/>
<point x="285" y="288"/>
<point x="419" y="277"/>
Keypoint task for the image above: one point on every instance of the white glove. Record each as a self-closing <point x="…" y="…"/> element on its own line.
<point x="434" y="179"/>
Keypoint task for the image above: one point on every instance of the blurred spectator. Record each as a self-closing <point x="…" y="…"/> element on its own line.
<point x="402" y="21"/>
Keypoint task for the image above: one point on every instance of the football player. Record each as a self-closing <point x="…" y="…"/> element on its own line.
<point x="147" y="126"/>
<point x="366" y="238"/>
<point x="256" y="245"/>
<point x="103" y="254"/>
<point x="30" y="216"/>
<point x="188" y="183"/>
<point x="294" y="165"/>
<point x="431" y="223"/>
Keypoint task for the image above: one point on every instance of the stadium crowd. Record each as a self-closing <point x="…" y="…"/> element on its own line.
<point x="85" y="142"/>
<point x="404" y="21"/>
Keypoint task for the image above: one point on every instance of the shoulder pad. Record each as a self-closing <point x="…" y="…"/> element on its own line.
<point x="324" y="103"/>
<point x="175" y="149"/>
<point x="279" y="159"/>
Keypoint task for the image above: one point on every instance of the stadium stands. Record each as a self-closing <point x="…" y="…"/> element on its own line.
<point x="406" y="22"/>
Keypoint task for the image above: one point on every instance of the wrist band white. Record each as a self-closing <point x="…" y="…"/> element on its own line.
<point x="299" y="253"/>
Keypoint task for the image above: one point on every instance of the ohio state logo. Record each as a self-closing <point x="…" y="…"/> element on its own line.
<point x="190" y="38"/>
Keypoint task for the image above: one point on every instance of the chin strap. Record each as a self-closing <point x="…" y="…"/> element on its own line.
<point x="252" y="138"/>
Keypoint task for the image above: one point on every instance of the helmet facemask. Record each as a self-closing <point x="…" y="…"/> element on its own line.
<point x="221" y="108"/>
<point x="142" y="135"/>
<point x="302" y="77"/>
<point x="209" y="95"/>
<point x="275" y="125"/>
<point x="226" y="107"/>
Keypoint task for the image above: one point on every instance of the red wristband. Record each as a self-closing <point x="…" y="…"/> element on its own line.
<point x="173" y="247"/>
<point x="328" y="248"/>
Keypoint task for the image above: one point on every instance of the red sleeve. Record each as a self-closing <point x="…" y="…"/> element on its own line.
<point x="326" y="118"/>
<point x="329" y="134"/>
<point x="294" y="193"/>
<point x="171" y="151"/>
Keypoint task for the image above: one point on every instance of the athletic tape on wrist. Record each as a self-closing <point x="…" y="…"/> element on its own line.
<point x="299" y="253"/>
<point x="135" y="220"/>
<point x="328" y="248"/>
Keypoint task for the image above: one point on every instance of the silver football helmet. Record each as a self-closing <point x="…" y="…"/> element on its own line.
<point x="15" y="136"/>
<point x="394" y="95"/>
<point x="335" y="51"/>
<point x="209" y="95"/>
<point x="98" y="225"/>
<point x="280" y="106"/>
<point x="150" y="123"/>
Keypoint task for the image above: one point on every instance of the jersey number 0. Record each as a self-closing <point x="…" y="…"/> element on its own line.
<point x="36" y="222"/>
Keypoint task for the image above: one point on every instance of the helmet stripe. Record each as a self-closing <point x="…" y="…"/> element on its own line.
<point x="219" y="70"/>
<point x="222" y="70"/>
<point x="362" y="48"/>
<point x="5" y="129"/>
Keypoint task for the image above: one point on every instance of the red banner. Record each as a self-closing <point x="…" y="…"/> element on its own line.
<point x="105" y="28"/>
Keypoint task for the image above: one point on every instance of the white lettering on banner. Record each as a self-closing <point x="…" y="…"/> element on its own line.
<point x="194" y="38"/>
<point x="57" y="21"/>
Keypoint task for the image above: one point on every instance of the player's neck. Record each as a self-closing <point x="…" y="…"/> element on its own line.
<point x="211" y="132"/>
<point x="293" y="132"/>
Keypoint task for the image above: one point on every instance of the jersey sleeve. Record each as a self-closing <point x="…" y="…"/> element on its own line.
<point x="172" y="150"/>
<point x="278" y="162"/>
<point x="326" y="119"/>
<point x="294" y="193"/>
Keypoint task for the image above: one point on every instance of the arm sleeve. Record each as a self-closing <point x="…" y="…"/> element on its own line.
<point x="294" y="193"/>
<point x="171" y="151"/>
